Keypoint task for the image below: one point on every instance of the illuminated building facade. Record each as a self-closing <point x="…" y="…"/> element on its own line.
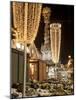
<point x="35" y="67"/>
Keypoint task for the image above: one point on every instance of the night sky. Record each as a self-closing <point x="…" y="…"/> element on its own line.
<point x="63" y="14"/>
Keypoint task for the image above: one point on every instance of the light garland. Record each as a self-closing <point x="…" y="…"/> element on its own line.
<point x="55" y="36"/>
<point x="18" y="21"/>
<point x="34" y="13"/>
<point x="26" y="19"/>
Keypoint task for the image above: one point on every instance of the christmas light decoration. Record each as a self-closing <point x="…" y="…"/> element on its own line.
<point x="26" y="19"/>
<point x="33" y="20"/>
<point x="55" y="38"/>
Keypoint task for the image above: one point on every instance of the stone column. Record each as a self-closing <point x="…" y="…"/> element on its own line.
<point x="45" y="49"/>
<point x="46" y="15"/>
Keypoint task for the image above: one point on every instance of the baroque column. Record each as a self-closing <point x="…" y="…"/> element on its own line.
<point x="45" y="49"/>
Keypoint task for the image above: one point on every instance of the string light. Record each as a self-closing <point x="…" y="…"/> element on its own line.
<point x="34" y="14"/>
<point x="26" y="19"/>
<point x="55" y="37"/>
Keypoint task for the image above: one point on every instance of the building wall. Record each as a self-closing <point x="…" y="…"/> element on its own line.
<point x="17" y="64"/>
<point x="40" y="73"/>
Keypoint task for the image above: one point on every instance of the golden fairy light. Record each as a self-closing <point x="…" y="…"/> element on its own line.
<point x="33" y="18"/>
<point x="55" y="37"/>
<point x="69" y="56"/>
<point x="26" y="19"/>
